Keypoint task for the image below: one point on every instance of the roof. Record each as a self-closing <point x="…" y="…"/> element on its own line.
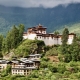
<point x="35" y="60"/>
<point x="3" y="61"/>
<point x="35" y="55"/>
<point x="37" y="27"/>
<point x="72" y="34"/>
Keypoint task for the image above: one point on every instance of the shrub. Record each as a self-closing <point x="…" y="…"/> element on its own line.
<point x="61" y="68"/>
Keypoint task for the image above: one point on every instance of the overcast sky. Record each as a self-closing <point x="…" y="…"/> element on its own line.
<point x="36" y="3"/>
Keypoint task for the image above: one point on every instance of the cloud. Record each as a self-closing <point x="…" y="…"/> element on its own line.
<point x="36" y="3"/>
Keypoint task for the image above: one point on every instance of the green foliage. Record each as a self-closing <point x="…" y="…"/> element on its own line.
<point x="52" y="52"/>
<point x="73" y="28"/>
<point x="52" y="68"/>
<point x="56" y="33"/>
<point x="45" y="59"/>
<point x="6" y="72"/>
<point x="1" y="40"/>
<point x="61" y="68"/>
<point x="44" y="64"/>
<point x="4" y="46"/>
<point x="29" y="46"/>
<point x="21" y="31"/>
<point x="65" y="37"/>
<point x="13" y="38"/>
<point x="70" y="52"/>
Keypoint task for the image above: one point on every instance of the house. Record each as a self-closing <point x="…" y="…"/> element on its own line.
<point x="34" y="56"/>
<point x="3" y="64"/>
<point x="24" y="66"/>
<point x="39" y="33"/>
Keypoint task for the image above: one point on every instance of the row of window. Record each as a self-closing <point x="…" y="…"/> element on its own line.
<point x="47" y="38"/>
<point x="21" y="70"/>
<point x="21" y="73"/>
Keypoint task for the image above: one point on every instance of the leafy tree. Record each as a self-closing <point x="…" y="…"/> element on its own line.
<point x="56" y="33"/>
<point x="65" y="36"/>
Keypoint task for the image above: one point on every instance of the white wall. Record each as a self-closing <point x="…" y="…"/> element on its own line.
<point x="32" y="36"/>
<point x="70" y="39"/>
<point x="59" y="41"/>
<point x="29" y="36"/>
<point x="48" y="40"/>
<point x="25" y="37"/>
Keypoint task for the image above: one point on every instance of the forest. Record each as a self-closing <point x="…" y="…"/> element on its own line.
<point x="58" y="62"/>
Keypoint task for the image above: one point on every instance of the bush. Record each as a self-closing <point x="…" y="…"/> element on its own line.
<point x="6" y="71"/>
<point x="45" y="59"/>
<point x="61" y="68"/>
<point x="52" y="52"/>
<point x="44" y="64"/>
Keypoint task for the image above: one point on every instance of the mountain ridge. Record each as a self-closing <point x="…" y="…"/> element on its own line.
<point x="52" y="18"/>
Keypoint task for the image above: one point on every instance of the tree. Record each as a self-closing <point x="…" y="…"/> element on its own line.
<point x="1" y="40"/>
<point x="4" y="46"/>
<point x="28" y="47"/>
<point x="65" y="36"/>
<point x="56" y="33"/>
<point x="6" y="71"/>
<point x="14" y="37"/>
<point x="74" y="40"/>
<point x="21" y="30"/>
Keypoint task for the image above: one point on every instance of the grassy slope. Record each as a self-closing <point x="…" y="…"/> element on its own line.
<point x="73" y="28"/>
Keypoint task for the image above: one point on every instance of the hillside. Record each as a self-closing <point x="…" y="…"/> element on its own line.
<point x="52" y="18"/>
<point x="72" y="28"/>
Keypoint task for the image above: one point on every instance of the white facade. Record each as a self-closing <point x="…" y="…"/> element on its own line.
<point x="39" y="33"/>
<point x="31" y="36"/>
<point x="70" y="39"/>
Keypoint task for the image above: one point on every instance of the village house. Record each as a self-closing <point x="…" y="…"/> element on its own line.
<point x="3" y="64"/>
<point x="23" y="66"/>
<point x="39" y="33"/>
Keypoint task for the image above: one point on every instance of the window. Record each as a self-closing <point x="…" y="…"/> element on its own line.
<point x="44" y="37"/>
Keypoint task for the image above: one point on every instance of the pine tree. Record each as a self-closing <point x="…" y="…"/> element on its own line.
<point x="4" y="45"/>
<point x="1" y="40"/>
<point x="14" y="37"/>
<point x="8" y="41"/>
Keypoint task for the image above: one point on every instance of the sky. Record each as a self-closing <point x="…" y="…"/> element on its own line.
<point x="37" y="3"/>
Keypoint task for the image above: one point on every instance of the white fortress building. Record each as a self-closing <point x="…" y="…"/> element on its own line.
<point x="39" y="33"/>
